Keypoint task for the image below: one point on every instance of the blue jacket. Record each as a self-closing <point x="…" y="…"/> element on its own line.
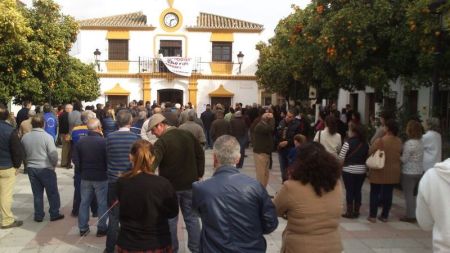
<point x="235" y="210"/>
<point x="90" y="157"/>
<point x="51" y="124"/>
<point x="109" y="126"/>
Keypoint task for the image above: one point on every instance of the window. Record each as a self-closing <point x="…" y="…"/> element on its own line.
<point x="118" y="50"/>
<point x="221" y="51"/>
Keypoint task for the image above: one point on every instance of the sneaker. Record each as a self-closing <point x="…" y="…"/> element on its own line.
<point x="101" y="233"/>
<point x="16" y="223"/>
<point x="38" y="220"/>
<point x="85" y="232"/>
<point x="59" y="217"/>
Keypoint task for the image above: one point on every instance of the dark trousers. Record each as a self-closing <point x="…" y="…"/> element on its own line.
<point x="113" y="221"/>
<point x="242" y="142"/>
<point x="44" y="179"/>
<point x="386" y="191"/>
<point x="209" y="142"/>
<point x="77" y="197"/>
<point x="353" y="184"/>
<point x="283" y="158"/>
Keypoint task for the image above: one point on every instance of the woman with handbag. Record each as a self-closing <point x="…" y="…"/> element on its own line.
<point x="412" y="170"/>
<point x="354" y="154"/>
<point x="382" y="180"/>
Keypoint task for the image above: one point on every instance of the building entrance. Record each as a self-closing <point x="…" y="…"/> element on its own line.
<point x="170" y="95"/>
<point x="117" y="100"/>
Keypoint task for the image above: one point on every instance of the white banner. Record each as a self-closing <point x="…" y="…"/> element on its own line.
<point x="178" y="65"/>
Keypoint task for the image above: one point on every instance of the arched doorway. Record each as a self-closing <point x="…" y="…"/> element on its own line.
<point x="170" y="95"/>
<point x="117" y="96"/>
<point x="221" y="96"/>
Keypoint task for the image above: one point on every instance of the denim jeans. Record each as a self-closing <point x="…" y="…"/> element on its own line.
<point x="89" y="189"/>
<point x="283" y="158"/>
<point x="77" y="197"/>
<point x="353" y="184"/>
<point x="190" y="219"/>
<point x="113" y="219"/>
<point x="386" y="191"/>
<point x="41" y="179"/>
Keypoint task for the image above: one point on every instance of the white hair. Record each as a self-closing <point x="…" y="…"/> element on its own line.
<point x="87" y="115"/>
<point x="227" y="150"/>
<point x="93" y="124"/>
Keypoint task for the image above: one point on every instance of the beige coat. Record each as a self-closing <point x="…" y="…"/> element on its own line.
<point x="390" y="174"/>
<point x="313" y="221"/>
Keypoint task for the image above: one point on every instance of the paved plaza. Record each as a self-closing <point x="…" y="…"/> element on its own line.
<point x="358" y="236"/>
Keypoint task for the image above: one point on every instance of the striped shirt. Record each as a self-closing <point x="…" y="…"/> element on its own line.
<point x="354" y="168"/>
<point x="118" y="145"/>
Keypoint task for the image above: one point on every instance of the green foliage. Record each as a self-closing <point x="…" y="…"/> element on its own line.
<point x="35" y="56"/>
<point x="351" y="44"/>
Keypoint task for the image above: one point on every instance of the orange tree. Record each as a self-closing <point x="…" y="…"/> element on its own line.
<point x="34" y="56"/>
<point x="352" y="44"/>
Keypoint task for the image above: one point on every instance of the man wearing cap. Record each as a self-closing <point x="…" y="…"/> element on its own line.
<point x="181" y="159"/>
<point x="239" y="131"/>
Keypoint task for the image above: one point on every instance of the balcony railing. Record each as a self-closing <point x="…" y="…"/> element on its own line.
<point x="154" y="65"/>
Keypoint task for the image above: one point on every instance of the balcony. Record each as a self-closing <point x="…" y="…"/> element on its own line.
<point x="154" y="65"/>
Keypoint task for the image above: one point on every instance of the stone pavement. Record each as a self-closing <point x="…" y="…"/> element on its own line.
<point x="358" y="236"/>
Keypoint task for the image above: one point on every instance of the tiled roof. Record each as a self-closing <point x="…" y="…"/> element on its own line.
<point x="130" y="20"/>
<point x="206" y="21"/>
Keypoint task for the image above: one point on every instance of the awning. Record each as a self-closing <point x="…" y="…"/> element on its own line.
<point x="221" y="92"/>
<point x="117" y="90"/>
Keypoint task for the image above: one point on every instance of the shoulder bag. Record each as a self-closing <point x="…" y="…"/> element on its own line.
<point x="377" y="159"/>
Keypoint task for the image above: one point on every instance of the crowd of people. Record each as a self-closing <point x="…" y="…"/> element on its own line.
<point x="137" y="166"/>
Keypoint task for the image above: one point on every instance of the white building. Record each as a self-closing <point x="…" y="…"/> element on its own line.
<point x="418" y="100"/>
<point x="130" y="44"/>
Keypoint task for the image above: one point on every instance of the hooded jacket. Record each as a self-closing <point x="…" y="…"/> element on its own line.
<point x="433" y="205"/>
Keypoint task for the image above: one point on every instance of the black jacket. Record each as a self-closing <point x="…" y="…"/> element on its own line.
<point x="11" y="154"/>
<point x="90" y="157"/>
<point x="64" y="123"/>
<point x="236" y="212"/>
<point x="207" y="118"/>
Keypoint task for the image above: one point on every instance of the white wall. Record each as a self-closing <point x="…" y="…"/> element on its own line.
<point x="134" y="85"/>
<point x="245" y="92"/>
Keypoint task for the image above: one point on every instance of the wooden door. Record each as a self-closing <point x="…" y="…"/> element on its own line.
<point x="115" y="100"/>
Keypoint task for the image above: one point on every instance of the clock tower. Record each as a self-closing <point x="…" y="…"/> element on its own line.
<point x="171" y="19"/>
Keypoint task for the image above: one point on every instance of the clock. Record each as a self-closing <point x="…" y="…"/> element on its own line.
<point x="171" y="19"/>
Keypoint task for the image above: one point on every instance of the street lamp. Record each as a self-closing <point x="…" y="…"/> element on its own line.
<point x="97" y="54"/>
<point x="240" y="57"/>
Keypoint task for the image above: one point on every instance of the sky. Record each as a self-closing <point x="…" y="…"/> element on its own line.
<point x="265" y="12"/>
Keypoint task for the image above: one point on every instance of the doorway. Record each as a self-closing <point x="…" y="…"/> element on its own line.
<point x="225" y="101"/>
<point x="116" y="100"/>
<point x="170" y="95"/>
<point x="169" y="48"/>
